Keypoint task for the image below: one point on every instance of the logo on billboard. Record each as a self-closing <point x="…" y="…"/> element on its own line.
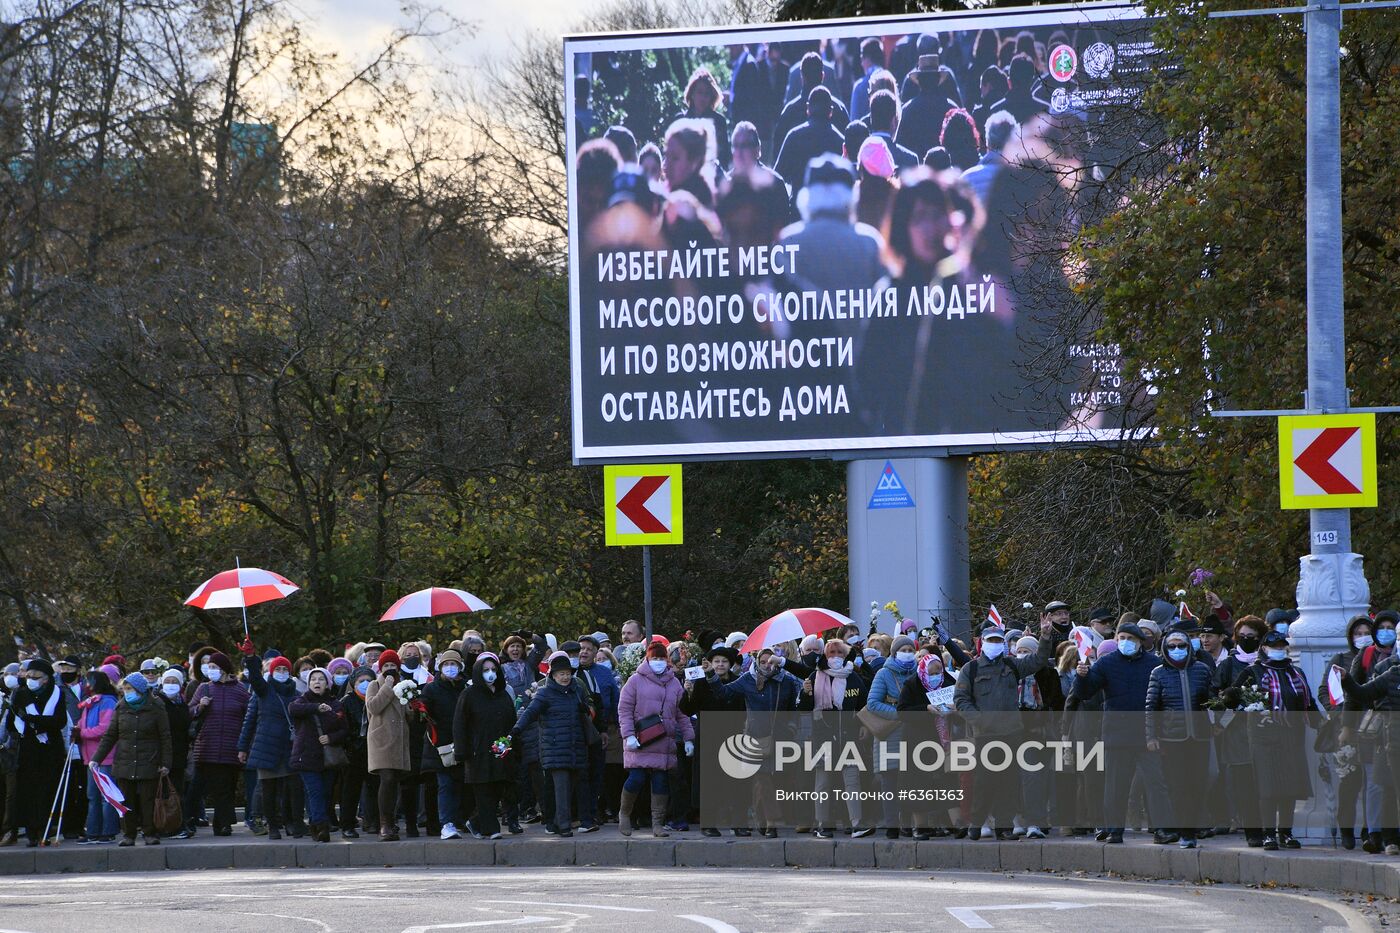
<point x="1098" y="60"/>
<point x="1063" y="62"/>
<point x="740" y="756"/>
<point x="890" y="491"/>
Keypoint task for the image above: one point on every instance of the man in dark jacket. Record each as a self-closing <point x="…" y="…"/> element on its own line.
<point x="1122" y="676"/>
<point x="813" y="138"/>
<point x="601" y="686"/>
<point x="440" y="697"/>
<point x="989" y="689"/>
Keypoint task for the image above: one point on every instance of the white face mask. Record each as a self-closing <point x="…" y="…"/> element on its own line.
<point x="170" y="690"/>
<point x="1364" y="641"/>
<point x="281" y="675"/>
<point x="489" y="675"/>
<point x="11" y="681"/>
<point x="450" y="671"/>
<point x="657" y="665"/>
<point x="994" y="649"/>
<point x="906" y="656"/>
<point x="1276" y="654"/>
<point x="215" y="674"/>
<point x="835" y="664"/>
<point x="207" y="669"/>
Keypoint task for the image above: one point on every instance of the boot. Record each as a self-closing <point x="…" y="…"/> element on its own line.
<point x="388" y="833"/>
<point x="321" y="832"/>
<point x="624" y="813"/>
<point x="1348" y="837"/>
<point x="1372" y="843"/>
<point x="658" y="815"/>
<point x="273" y="832"/>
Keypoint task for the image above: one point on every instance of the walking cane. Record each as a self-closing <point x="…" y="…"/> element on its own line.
<point x="59" y="798"/>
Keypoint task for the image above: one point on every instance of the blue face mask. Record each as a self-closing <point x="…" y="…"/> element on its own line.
<point x="607" y="665"/>
<point x="1128" y="648"/>
<point x="134" y="699"/>
<point x="1195" y="644"/>
<point x="340" y="679"/>
<point x="1385" y="637"/>
<point x="1176" y="654"/>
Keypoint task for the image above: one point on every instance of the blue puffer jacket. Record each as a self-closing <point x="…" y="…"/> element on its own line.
<point x="267" y="726"/>
<point x="1173" y="692"/>
<point x="560" y="713"/>
<point x="1123" y="681"/>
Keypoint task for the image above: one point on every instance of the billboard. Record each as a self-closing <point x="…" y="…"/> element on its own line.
<point x="850" y="237"/>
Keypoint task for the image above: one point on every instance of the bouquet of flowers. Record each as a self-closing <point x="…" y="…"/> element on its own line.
<point x="628" y="658"/>
<point x="501" y="747"/>
<point x="1248" y="699"/>
<point x="686" y="651"/>
<point x="407" y="691"/>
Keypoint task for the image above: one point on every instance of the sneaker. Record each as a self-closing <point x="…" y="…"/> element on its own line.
<point x="1102" y="835"/>
<point x="495" y="836"/>
<point x="675" y="826"/>
<point x="565" y="834"/>
<point x="532" y="817"/>
<point x="126" y="843"/>
<point x="1034" y="832"/>
<point x="182" y="834"/>
<point x="974" y="833"/>
<point x="472" y="829"/>
<point x="922" y="835"/>
<point x="743" y="833"/>
<point x="820" y="833"/>
<point x="862" y="832"/>
<point x="590" y="828"/>
<point x="1115" y="838"/>
<point x="1391" y="849"/>
<point x="1187" y="843"/>
<point x="515" y="828"/>
<point x="709" y="832"/>
<point x="549" y="828"/>
<point x="449" y="832"/>
<point x="88" y="840"/>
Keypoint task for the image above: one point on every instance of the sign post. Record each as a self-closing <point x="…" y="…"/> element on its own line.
<point x="643" y="505"/>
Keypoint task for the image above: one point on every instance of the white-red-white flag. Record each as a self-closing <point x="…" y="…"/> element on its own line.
<point x="993" y="616"/>
<point x="110" y="792"/>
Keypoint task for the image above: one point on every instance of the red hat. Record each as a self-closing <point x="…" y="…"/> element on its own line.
<point x="277" y="662"/>
<point x="389" y="656"/>
<point x="115" y="659"/>
<point x="656" y="650"/>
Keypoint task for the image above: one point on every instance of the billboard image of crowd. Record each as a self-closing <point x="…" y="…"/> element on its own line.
<point x="850" y="236"/>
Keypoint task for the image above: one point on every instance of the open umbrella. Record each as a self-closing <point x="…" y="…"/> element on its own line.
<point x="434" y="601"/>
<point x="241" y="587"/>
<point x="793" y="624"/>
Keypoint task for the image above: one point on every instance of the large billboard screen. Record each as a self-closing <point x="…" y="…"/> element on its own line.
<point x="849" y="236"/>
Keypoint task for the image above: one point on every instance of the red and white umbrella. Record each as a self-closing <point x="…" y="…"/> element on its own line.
<point x="434" y="601"/>
<point x="792" y="625"/>
<point x="241" y="588"/>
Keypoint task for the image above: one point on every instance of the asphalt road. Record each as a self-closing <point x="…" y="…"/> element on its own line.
<point x="688" y="900"/>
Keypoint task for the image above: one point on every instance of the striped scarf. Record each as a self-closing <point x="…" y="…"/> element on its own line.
<point x="1272" y="681"/>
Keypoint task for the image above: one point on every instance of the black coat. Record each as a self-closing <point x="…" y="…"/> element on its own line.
<point x="308" y="754"/>
<point x="441" y="698"/>
<point x="483" y="715"/>
<point x="179" y="715"/>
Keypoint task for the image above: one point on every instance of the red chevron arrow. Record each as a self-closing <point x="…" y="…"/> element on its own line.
<point x="634" y="505"/>
<point x="1316" y="461"/>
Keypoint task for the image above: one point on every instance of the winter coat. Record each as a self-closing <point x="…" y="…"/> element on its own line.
<point x="220" y="723"/>
<point x="648" y="693"/>
<point x="703" y="699"/>
<point x="357" y="723"/>
<point x="140" y="736"/>
<point x="993" y="685"/>
<point x="441" y="697"/>
<point x="267" y="730"/>
<point x="521" y="675"/>
<point x="607" y="695"/>
<point x="387" y="737"/>
<point x="308" y="754"/>
<point x="179" y="716"/>
<point x="483" y="714"/>
<point x="560" y="712"/>
<point x="1123" y="681"/>
<point x="93" y="720"/>
<point x="1277" y="743"/>
<point x="778" y="693"/>
<point x="1232" y="743"/>
<point x="1175" y="700"/>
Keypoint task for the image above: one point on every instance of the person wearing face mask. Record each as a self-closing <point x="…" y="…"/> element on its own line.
<point x="169" y="691"/>
<point x="41" y="722"/>
<point x="318" y="724"/>
<point x="989" y="691"/>
<point x="420" y="784"/>
<point x="1349" y="762"/>
<point x="1276" y="741"/>
<point x="1279" y="620"/>
<point x="1379" y="778"/>
<point x="9" y="756"/>
<point x="265" y="741"/>
<point x="1176" y="695"/>
<point x="355" y="775"/>
<point x="913" y="698"/>
<point x="1232" y="740"/>
<point x="700" y="697"/>
<point x="883" y="701"/>
<point x="485" y="711"/>
<point x="651" y="697"/>
<point x="441" y="698"/>
<point x="601" y="686"/>
<point x="1123" y="676"/>
<point x="411" y="654"/>
<point x="139" y="738"/>
<point x="834" y="687"/>
<point x="95" y="712"/>
<point x="1381" y="693"/>
<point x="340" y="670"/>
<point x="563" y="737"/>
<point x="387" y="739"/>
<point x="766" y="688"/>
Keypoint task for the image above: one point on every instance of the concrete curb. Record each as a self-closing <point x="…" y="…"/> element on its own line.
<point x="1318" y="869"/>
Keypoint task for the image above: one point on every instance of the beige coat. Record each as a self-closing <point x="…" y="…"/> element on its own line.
<point x="387" y="735"/>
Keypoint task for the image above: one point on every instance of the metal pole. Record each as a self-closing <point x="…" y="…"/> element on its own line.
<point x="239" y="566"/>
<point x="646" y="587"/>
<point x="1327" y="387"/>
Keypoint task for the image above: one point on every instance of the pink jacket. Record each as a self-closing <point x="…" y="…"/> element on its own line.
<point x="102" y="710"/>
<point x="648" y="693"/>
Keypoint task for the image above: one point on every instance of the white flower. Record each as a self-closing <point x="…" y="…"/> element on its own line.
<point x="1254" y="708"/>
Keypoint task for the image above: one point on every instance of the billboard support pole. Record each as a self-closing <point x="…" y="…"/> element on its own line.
<point x="646" y="588"/>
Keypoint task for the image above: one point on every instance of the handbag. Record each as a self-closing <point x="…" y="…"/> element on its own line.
<point x="1370" y="725"/>
<point x="649" y="728"/>
<point x="169" y="817"/>
<point x="332" y="756"/>
<point x="447" y="754"/>
<point x="879" y="726"/>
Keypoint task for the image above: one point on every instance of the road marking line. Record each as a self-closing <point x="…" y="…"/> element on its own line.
<point x="719" y="926"/>
<point x="968" y="916"/>
<point x="535" y="903"/>
<point x="478" y="923"/>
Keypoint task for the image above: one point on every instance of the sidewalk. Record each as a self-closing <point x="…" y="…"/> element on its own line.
<point x="1222" y="859"/>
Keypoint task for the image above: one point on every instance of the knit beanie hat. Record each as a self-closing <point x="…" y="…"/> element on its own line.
<point x="42" y="666"/>
<point x="177" y="672"/>
<point x="901" y="643"/>
<point x="137" y="682"/>
<point x="111" y="671"/>
<point x="449" y="656"/>
<point x="277" y="662"/>
<point x="389" y="656"/>
<point x="340" y="665"/>
<point x="1028" y="641"/>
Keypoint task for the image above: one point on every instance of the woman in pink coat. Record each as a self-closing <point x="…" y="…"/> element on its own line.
<point x="94" y="716"/>
<point x="650" y="703"/>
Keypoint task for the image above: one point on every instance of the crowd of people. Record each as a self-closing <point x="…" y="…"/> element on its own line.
<point x="950" y="159"/>
<point x="471" y="742"/>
